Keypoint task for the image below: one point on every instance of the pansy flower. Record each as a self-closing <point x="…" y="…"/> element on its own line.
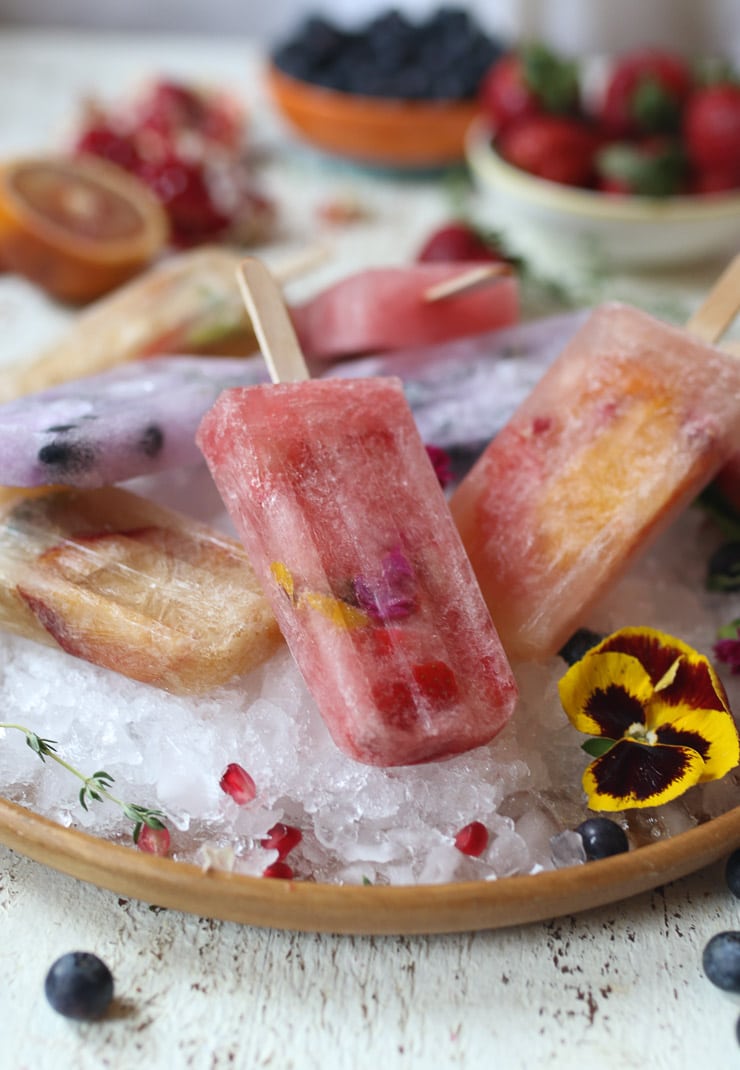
<point x="660" y="715"/>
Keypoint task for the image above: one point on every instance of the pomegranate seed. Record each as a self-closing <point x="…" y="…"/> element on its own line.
<point x="153" y="841"/>
<point x="237" y="783"/>
<point x="472" y="839"/>
<point x="282" y="838"/>
<point x="281" y="870"/>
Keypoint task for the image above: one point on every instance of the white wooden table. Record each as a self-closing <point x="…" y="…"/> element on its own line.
<point x="616" y="988"/>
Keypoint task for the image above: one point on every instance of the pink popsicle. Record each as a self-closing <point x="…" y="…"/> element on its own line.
<point x="388" y="308"/>
<point x="627" y="426"/>
<point x="342" y="516"/>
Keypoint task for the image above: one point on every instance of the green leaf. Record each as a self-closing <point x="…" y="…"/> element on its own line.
<point x="137" y="831"/>
<point x="552" y="79"/>
<point x="597" y="746"/>
<point x="729" y="631"/>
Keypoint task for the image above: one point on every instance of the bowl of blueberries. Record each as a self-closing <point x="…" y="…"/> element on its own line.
<point x="390" y="92"/>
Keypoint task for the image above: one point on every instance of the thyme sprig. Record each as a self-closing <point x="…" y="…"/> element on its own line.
<point x="95" y="788"/>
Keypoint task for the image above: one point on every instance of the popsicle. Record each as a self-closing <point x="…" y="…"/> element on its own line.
<point x="141" y="417"/>
<point x="337" y="503"/>
<point x="187" y="304"/>
<point x="623" y="430"/>
<point x="116" y="580"/>
<point x="391" y="308"/>
<point x="136" y="419"/>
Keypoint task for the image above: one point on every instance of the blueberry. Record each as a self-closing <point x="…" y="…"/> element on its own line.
<point x="79" y="985"/>
<point x="602" y="838"/>
<point x="732" y="873"/>
<point x="721" y="961"/>
<point x="579" y="644"/>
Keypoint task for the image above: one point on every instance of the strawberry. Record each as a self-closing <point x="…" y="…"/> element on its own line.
<point x="711" y="129"/>
<point x="553" y="147"/>
<point x="645" y="93"/>
<point x="458" y="241"/>
<point x="529" y="82"/>
<point x="655" y="167"/>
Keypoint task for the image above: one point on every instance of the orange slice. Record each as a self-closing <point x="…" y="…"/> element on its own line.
<point x="76" y="227"/>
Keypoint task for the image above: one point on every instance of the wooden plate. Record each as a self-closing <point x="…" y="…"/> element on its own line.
<point x="308" y="907"/>
<point x="372" y="130"/>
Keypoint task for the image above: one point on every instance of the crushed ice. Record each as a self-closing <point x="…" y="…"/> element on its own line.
<point x="359" y="824"/>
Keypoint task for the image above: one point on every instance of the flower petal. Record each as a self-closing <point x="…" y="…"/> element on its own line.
<point x="634" y="775"/>
<point x="712" y="734"/>
<point x="603" y="694"/>
<point x="695" y="682"/>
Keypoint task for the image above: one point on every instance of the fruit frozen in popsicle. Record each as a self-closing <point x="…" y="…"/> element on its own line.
<point x="141" y="417"/>
<point x="133" y="420"/>
<point x="187" y="304"/>
<point x="116" y="580"/>
<point x="383" y="309"/>
<point x="624" y="429"/>
<point x="333" y="494"/>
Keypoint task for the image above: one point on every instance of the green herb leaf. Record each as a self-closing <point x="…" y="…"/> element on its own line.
<point x="597" y="746"/>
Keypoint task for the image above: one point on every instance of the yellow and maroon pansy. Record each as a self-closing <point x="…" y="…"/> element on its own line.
<point x="660" y="715"/>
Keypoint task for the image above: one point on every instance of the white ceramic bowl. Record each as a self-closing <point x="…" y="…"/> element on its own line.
<point x="548" y="222"/>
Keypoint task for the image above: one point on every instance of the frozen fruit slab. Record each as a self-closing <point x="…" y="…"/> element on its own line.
<point x="338" y="505"/>
<point x="120" y="582"/>
<point x="133" y="420"/>
<point x="631" y="421"/>
<point x="186" y="304"/>
<point x="384" y="309"/>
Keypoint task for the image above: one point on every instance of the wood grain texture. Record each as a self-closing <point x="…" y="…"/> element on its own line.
<point x="307" y="907"/>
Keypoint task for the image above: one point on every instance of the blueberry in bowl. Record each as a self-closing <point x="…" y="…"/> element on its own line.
<point x="390" y="92"/>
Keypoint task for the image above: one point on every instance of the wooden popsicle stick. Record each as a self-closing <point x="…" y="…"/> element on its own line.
<point x="293" y="265"/>
<point x="720" y="307"/>
<point x="466" y="280"/>
<point x="271" y="322"/>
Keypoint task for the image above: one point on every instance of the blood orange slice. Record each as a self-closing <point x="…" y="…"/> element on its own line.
<point x="76" y="227"/>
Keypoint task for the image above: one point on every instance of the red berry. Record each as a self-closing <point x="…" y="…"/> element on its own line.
<point x="558" y="149"/>
<point x="717" y="180"/>
<point x="711" y="129"/>
<point x="437" y="683"/>
<point x="281" y="870"/>
<point x="102" y="140"/>
<point x="441" y="463"/>
<point x="182" y="187"/>
<point x="472" y="839"/>
<point x="530" y="82"/>
<point x="455" y="242"/>
<point x="237" y="783"/>
<point x="645" y="93"/>
<point x="153" y="841"/>
<point x="395" y="701"/>
<point x="282" y="838"/>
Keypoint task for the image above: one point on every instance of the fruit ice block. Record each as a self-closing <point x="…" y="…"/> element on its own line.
<point x="141" y="417"/>
<point x="338" y="505"/>
<point x="623" y="430"/>
<point x="116" y="580"/>
<point x="387" y="308"/>
<point x="137" y="419"/>
<point x="187" y="304"/>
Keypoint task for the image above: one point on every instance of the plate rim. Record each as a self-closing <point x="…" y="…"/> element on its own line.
<point x="307" y="906"/>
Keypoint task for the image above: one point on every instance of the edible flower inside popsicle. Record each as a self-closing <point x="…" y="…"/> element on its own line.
<point x="659" y="715"/>
<point x="389" y="594"/>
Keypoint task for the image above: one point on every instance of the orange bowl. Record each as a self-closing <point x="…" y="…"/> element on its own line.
<point x="374" y="130"/>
